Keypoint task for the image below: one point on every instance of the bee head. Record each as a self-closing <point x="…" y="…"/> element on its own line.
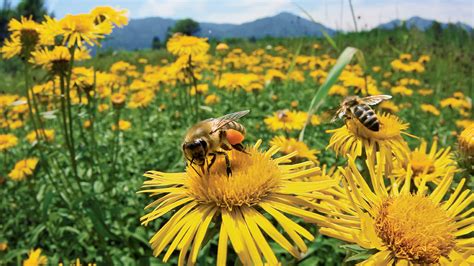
<point x="196" y="151"/>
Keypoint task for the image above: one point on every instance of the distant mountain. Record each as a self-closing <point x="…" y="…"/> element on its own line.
<point x="419" y="23"/>
<point x="140" y="32"/>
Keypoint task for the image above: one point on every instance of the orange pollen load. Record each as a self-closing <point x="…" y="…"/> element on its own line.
<point x="234" y="137"/>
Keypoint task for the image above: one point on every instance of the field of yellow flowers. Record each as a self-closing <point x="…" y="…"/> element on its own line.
<point x="78" y="132"/>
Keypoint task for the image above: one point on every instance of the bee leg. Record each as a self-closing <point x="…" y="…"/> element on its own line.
<point x="240" y="148"/>
<point x="213" y="160"/>
<point x="227" y="162"/>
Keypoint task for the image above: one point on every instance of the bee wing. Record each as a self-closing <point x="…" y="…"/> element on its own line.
<point x="375" y="99"/>
<point x="226" y="119"/>
<point x="338" y="115"/>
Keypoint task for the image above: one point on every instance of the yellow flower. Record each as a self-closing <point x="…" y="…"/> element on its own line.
<point x="465" y="123"/>
<point x="11" y="48"/>
<point x="389" y="106"/>
<point x="79" y="29"/>
<point x="211" y="99"/>
<point x="430" y="109"/>
<point x="290" y="145"/>
<point x="123" y="125"/>
<point x="56" y="60"/>
<point x="286" y="120"/>
<point x="7" y="141"/>
<point x="35" y="258"/>
<point x="103" y="107"/>
<point x="25" y="37"/>
<point x="3" y="246"/>
<point x="87" y="124"/>
<point x="466" y="145"/>
<point x="48" y="133"/>
<point x="107" y="13"/>
<point x="141" y="99"/>
<point x="181" y="45"/>
<point x="405" y="225"/>
<point x="430" y="166"/>
<point x="425" y="92"/>
<point x="118" y="100"/>
<point x="456" y="103"/>
<point x="354" y="137"/>
<point x="376" y="68"/>
<point x="201" y="89"/>
<point x="338" y="90"/>
<point x="401" y="90"/>
<point x="23" y="169"/>
<point x="221" y="47"/>
<point x="253" y="200"/>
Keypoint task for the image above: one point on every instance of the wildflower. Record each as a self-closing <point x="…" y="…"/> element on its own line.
<point x="201" y="89"/>
<point x="425" y="92"/>
<point x="290" y="145"/>
<point x="80" y="29"/>
<point x="221" y="47"/>
<point x="376" y="69"/>
<point x="352" y="138"/>
<point x="23" y="169"/>
<point x="106" y="13"/>
<point x="181" y="45"/>
<point x="7" y="141"/>
<point x="338" y="90"/>
<point x="254" y="199"/>
<point x="141" y="99"/>
<point x="56" y="60"/>
<point x="103" y="107"/>
<point x="286" y="120"/>
<point x="465" y="123"/>
<point x="389" y="106"/>
<point x="35" y="258"/>
<point x="47" y="133"/>
<point x="25" y="38"/>
<point x="3" y="246"/>
<point x="404" y="225"/>
<point x="430" y="109"/>
<point x="118" y="100"/>
<point x="466" y="145"/>
<point x="401" y="90"/>
<point x="431" y="166"/>
<point x="123" y="125"/>
<point x="211" y="99"/>
<point x="87" y="124"/>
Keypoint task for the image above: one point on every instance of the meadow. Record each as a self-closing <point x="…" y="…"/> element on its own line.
<point x="78" y="131"/>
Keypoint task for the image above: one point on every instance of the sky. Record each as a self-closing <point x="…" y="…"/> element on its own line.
<point x="332" y="13"/>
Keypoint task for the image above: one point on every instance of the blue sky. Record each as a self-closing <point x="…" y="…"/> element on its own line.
<point x="332" y="13"/>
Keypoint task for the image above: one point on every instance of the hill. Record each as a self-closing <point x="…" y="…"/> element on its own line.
<point x="420" y="23"/>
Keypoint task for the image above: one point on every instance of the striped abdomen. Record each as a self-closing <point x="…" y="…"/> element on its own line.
<point x="235" y="126"/>
<point x="366" y="116"/>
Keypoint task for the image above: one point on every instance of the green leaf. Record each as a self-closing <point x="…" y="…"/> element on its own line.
<point x="333" y="75"/>
<point x="46" y="203"/>
<point x="94" y="211"/>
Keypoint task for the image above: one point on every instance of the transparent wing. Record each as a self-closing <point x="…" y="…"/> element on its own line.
<point x="220" y="122"/>
<point x="338" y="115"/>
<point x="375" y="99"/>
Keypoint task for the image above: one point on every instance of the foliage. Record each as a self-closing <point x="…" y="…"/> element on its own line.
<point x="186" y="26"/>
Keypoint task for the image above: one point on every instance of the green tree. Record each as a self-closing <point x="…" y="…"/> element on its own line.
<point x="34" y="8"/>
<point x="6" y="13"/>
<point x="156" y="43"/>
<point x="186" y="26"/>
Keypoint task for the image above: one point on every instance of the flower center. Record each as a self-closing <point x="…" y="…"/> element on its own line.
<point x="254" y="176"/>
<point x="421" y="163"/>
<point x="415" y="228"/>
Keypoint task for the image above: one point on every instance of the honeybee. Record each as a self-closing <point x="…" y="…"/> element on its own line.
<point x="212" y="137"/>
<point x="356" y="107"/>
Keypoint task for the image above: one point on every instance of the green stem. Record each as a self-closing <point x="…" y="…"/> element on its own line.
<point x="28" y="100"/>
<point x="115" y="146"/>
<point x="69" y="114"/>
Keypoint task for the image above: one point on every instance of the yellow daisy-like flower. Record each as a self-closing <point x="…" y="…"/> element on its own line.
<point x="35" y="258"/>
<point x="290" y="145"/>
<point x="405" y="225"/>
<point x="286" y="120"/>
<point x="253" y="200"/>
<point x="389" y="106"/>
<point x="118" y="100"/>
<point x="7" y="141"/>
<point x="354" y="137"/>
<point x="466" y="146"/>
<point x="123" y="125"/>
<point x="55" y="60"/>
<point x="430" y="109"/>
<point x="3" y="246"/>
<point x="11" y="48"/>
<point x="23" y="169"/>
<point x="181" y="45"/>
<point x="48" y="133"/>
<point x="211" y="99"/>
<point x="401" y="90"/>
<point x="25" y="37"/>
<point x="77" y="29"/>
<point x="430" y="165"/>
<point x="141" y="99"/>
<point x="221" y="47"/>
<point x="117" y="17"/>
